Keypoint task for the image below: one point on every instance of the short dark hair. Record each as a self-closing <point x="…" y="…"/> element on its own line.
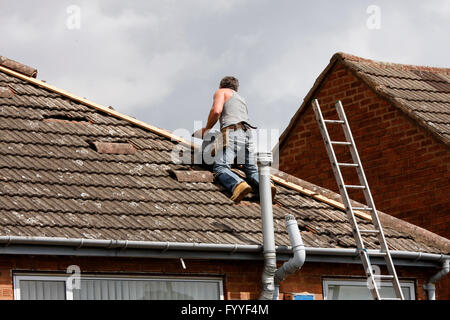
<point x="229" y="82"/>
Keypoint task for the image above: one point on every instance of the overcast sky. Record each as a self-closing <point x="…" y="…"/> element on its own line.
<point x="160" y="61"/>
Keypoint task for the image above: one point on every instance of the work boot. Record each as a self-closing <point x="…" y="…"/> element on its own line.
<point x="240" y="191"/>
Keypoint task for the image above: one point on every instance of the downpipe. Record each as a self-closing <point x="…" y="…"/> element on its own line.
<point x="264" y="161"/>
<point x="430" y="287"/>
<point x="271" y="277"/>
<point x="297" y="261"/>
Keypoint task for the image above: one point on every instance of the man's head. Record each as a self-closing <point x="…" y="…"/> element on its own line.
<point x="229" y="82"/>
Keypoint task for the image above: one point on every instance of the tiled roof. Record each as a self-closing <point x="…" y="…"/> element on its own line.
<point x="55" y="184"/>
<point x="423" y="93"/>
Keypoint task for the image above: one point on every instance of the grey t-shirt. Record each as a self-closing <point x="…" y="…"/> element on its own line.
<point x="234" y="111"/>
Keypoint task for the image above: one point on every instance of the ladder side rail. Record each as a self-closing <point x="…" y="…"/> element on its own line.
<point x="361" y="175"/>
<point x="336" y="171"/>
<point x="369" y="200"/>
<point x="344" y="195"/>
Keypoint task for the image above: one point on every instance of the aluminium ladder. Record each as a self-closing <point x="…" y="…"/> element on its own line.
<point x="372" y="278"/>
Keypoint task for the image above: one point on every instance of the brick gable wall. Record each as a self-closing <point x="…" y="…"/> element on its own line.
<point x="241" y="279"/>
<point x="406" y="167"/>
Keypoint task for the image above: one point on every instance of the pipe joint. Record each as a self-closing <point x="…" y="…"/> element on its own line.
<point x="298" y="248"/>
<point x="430" y="287"/>
<point x="268" y="283"/>
<point x="264" y="159"/>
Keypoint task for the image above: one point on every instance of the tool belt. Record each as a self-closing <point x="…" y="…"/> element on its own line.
<point x="241" y="125"/>
<point x="236" y="126"/>
<point x="222" y="140"/>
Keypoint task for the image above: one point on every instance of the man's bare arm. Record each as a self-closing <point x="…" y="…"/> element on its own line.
<point x="216" y="110"/>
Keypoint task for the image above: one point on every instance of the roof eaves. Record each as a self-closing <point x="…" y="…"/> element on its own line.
<point x="149" y="249"/>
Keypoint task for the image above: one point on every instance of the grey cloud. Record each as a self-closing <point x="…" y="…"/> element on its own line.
<point x="160" y="61"/>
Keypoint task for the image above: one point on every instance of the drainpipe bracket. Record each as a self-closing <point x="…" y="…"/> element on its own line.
<point x="234" y="249"/>
<point x="80" y="245"/>
<point x="8" y="242"/>
<point x="418" y="257"/>
<point x="166" y="247"/>
<point x="125" y="246"/>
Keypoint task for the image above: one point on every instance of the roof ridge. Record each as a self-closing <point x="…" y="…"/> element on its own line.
<point x="353" y="58"/>
<point x="98" y="107"/>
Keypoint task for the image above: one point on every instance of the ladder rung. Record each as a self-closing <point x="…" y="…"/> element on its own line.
<point x="349" y="186"/>
<point x="362" y="208"/>
<point x="390" y="299"/>
<point x="383" y="276"/>
<point x="346" y="143"/>
<point x="379" y="253"/>
<point x="369" y="231"/>
<point x="348" y="164"/>
<point x="334" y="121"/>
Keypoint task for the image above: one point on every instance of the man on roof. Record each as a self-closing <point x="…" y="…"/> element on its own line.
<point x="235" y="141"/>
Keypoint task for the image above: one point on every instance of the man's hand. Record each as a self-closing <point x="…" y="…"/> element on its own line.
<point x="200" y="133"/>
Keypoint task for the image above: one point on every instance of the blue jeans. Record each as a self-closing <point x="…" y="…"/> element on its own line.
<point x="241" y="147"/>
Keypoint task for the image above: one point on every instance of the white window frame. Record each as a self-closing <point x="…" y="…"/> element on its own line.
<point x="363" y="283"/>
<point x="69" y="293"/>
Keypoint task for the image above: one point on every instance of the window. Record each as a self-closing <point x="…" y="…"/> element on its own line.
<point x="49" y="287"/>
<point x="358" y="290"/>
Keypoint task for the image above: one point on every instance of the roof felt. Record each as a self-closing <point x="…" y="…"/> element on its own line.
<point x="54" y="184"/>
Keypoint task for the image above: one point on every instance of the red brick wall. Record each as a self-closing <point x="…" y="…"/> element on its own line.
<point x="406" y="167"/>
<point x="241" y="279"/>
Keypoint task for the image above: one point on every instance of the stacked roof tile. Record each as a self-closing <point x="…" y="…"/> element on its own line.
<point x="54" y="184"/>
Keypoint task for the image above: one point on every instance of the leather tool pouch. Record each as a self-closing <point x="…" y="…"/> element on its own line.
<point x="221" y="141"/>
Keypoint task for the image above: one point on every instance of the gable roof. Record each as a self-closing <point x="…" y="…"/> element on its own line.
<point x="422" y="93"/>
<point x="54" y="184"/>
